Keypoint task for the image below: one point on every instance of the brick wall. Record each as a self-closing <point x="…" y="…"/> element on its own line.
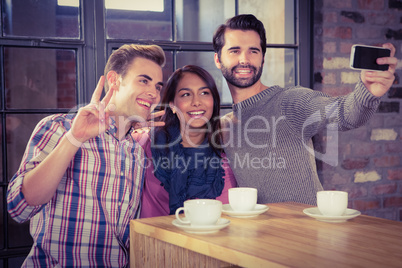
<point x="370" y="157"/>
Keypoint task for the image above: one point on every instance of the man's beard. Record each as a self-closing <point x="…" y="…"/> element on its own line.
<point x="230" y="77"/>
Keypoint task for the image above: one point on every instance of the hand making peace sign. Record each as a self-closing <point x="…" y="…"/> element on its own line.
<point x="92" y="119"/>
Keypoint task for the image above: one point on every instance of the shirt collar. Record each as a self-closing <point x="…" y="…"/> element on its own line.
<point x="113" y="129"/>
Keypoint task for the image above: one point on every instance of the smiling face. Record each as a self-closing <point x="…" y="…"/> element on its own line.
<point x="241" y="58"/>
<point x="138" y="93"/>
<point x="193" y="102"/>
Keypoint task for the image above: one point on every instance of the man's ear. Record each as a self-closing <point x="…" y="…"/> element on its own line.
<point x="217" y="61"/>
<point x="112" y="79"/>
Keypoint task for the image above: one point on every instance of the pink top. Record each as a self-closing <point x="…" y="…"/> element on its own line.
<point x="155" y="199"/>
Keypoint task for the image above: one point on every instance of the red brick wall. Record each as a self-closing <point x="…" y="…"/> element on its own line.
<point x="370" y="157"/>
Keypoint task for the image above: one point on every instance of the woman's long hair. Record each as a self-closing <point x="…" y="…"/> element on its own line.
<point x="169" y="93"/>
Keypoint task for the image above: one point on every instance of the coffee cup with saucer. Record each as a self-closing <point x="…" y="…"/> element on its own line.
<point x="201" y="216"/>
<point x="332" y="203"/>
<point x="332" y="207"/>
<point x="243" y="203"/>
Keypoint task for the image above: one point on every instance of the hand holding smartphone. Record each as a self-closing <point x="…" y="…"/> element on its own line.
<point x="364" y="57"/>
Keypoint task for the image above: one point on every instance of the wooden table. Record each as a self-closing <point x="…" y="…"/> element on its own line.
<point x="281" y="237"/>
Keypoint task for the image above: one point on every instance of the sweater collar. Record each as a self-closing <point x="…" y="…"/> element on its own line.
<point x="253" y="99"/>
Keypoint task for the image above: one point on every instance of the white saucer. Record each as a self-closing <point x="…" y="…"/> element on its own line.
<point x="206" y="229"/>
<point x="227" y="209"/>
<point x="315" y="213"/>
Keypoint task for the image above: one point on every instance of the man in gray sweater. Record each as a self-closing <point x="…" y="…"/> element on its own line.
<point x="267" y="137"/>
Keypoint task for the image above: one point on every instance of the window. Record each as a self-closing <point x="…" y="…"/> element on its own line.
<point x="43" y="19"/>
<point x="49" y="63"/>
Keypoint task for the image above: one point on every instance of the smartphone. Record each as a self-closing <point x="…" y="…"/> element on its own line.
<point x="364" y="57"/>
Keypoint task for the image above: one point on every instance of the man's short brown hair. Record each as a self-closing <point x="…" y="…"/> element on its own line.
<point x="121" y="59"/>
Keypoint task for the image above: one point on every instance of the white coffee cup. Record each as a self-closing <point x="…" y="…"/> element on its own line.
<point x="242" y="198"/>
<point x="332" y="203"/>
<point x="200" y="212"/>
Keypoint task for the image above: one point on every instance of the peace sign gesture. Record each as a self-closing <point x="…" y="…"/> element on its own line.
<point x="92" y="119"/>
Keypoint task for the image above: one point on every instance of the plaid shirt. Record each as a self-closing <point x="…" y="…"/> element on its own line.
<point x="86" y="223"/>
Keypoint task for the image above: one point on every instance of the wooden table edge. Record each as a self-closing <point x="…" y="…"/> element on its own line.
<point x="212" y="250"/>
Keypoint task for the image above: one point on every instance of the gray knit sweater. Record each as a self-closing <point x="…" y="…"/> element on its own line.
<point x="267" y="138"/>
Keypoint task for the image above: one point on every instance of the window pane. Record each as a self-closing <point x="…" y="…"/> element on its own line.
<point x="168" y="68"/>
<point x="45" y="18"/>
<point x="18" y="234"/>
<point x="37" y="78"/>
<point x="278" y="17"/>
<point x="279" y="67"/>
<point x="198" y="20"/>
<point x="19" y="128"/>
<point x="16" y="262"/>
<point x="139" y="19"/>
<point x="206" y="61"/>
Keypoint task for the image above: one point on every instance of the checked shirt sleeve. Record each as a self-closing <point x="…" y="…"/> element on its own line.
<point x="44" y="138"/>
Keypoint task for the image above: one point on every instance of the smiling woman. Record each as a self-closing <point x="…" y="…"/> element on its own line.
<point x="193" y="104"/>
<point x="186" y="158"/>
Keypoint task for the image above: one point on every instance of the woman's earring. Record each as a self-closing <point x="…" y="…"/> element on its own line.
<point x="172" y="107"/>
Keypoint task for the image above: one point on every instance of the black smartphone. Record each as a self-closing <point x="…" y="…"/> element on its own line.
<point x="364" y="57"/>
